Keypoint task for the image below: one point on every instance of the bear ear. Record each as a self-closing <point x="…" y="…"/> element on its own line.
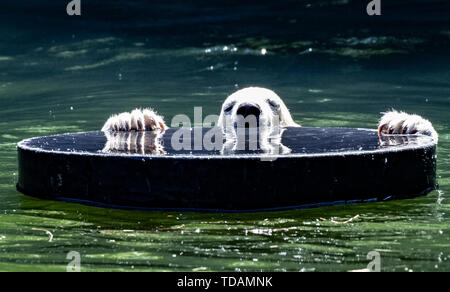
<point x="285" y="117"/>
<point x="283" y="112"/>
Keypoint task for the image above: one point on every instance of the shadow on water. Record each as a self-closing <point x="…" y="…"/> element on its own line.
<point x="151" y="220"/>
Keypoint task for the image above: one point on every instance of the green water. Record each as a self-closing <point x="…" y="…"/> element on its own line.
<point x="60" y="75"/>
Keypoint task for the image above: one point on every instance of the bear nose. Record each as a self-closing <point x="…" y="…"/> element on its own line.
<point x="246" y="110"/>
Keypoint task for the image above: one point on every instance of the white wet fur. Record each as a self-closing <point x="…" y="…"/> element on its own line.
<point x="273" y="110"/>
<point x="395" y="122"/>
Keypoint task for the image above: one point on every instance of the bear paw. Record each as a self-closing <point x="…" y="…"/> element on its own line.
<point x="401" y="123"/>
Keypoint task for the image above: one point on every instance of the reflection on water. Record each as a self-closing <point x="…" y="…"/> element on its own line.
<point x="236" y="141"/>
<point x="264" y="140"/>
<point x="332" y="65"/>
<point x="396" y="140"/>
<point x="211" y="140"/>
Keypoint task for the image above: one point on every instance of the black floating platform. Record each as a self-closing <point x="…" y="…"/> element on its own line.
<point x="307" y="167"/>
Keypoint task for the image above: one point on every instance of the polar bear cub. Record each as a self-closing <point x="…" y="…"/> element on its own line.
<point x="261" y="107"/>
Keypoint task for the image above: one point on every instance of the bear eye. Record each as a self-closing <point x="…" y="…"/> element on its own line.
<point x="273" y="104"/>
<point x="229" y="107"/>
